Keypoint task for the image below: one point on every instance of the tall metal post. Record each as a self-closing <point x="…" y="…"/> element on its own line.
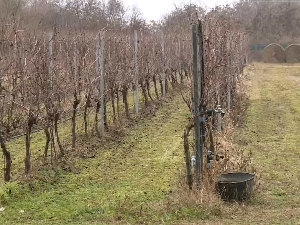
<point x="163" y="62"/>
<point x="75" y="65"/>
<point x="201" y="91"/>
<point x="229" y="75"/>
<point x="196" y="104"/>
<point x="102" y="81"/>
<point x="180" y="70"/>
<point x="98" y="69"/>
<point x="50" y="62"/>
<point x="98" y="60"/>
<point x="136" y="74"/>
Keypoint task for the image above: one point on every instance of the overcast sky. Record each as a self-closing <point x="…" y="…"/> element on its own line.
<point x="154" y="9"/>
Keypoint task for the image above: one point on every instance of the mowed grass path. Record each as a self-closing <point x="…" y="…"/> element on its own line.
<point x="272" y="132"/>
<point x="120" y="184"/>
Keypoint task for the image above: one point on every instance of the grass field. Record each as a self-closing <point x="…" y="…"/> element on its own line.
<point x="132" y="180"/>
<point x="117" y="184"/>
<point x="271" y="132"/>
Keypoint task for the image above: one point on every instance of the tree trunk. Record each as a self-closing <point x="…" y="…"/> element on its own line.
<point x="187" y="155"/>
<point x="96" y="118"/>
<point x="173" y="79"/>
<point x="125" y="101"/>
<point x="180" y="75"/>
<point x="53" y="162"/>
<point x="155" y="87"/>
<point x="144" y="93"/>
<point x="161" y="87"/>
<point x="7" y="165"/>
<point x="105" y="115"/>
<point x="87" y="105"/>
<point x="56" y="118"/>
<point x="167" y="85"/>
<point x="148" y="89"/>
<point x="186" y="74"/>
<point x="118" y="104"/>
<point x="75" y="104"/>
<point x="31" y="121"/>
<point x="112" y="95"/>
<point x="47" y="133"/>
<point x="11" y="109"/>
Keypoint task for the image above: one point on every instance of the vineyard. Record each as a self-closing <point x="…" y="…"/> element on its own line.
<point x="122" y="124"/>
<point x="52" y="78"/>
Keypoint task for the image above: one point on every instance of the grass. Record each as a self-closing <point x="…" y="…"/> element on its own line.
<point x="271" y="133"/>
<point x="17" y="146"/>
<point x="123" y="182"/>
<point x="134" y="179"/>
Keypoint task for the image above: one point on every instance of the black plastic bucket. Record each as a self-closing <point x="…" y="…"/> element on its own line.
<point x="235" y="186"/>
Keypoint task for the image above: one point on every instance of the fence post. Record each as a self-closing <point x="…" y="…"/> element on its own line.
<point x="136" y="74"/>
<point x="98" y="71"/>
<point x="136" y="79"/>
<point x="201" y="91"/>
<point x="102" y="81"/>
<point x="75" y="65"/>
<point x="98" y="59"/>
<point x="163" y="62"/>
<point x="180" y="70"/>
<point x="50" y="63"/>
<point x="196" y="103"/>
<point x="228" y="74"/>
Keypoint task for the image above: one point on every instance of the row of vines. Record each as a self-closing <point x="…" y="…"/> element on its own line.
<point x="222" y="48"/>
<point x="56" y="77"/>
<point x="52" y="77"/>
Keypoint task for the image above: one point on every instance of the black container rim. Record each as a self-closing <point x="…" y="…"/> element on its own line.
<point x="235" y="182"/>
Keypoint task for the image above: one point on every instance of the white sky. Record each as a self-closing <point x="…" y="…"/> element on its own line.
<point x="154" y="9"/>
